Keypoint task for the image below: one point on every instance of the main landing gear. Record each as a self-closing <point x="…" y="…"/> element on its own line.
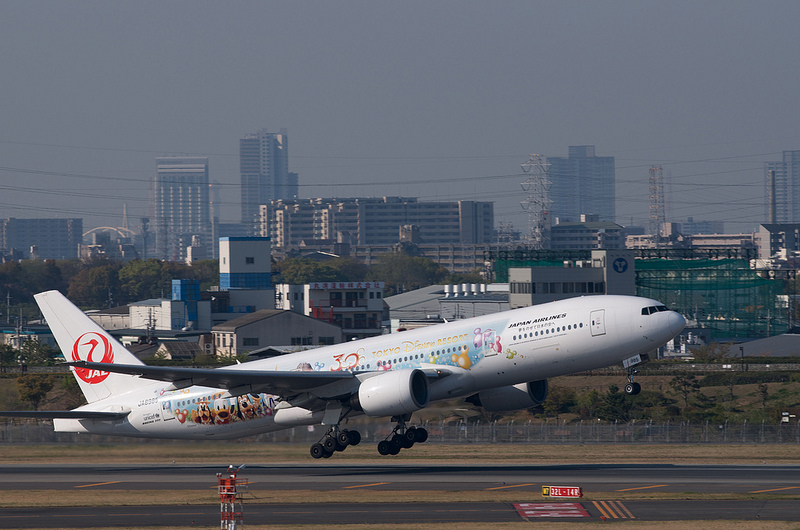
<point x="335" y="440"/>
<point x="632" y="388"/>
<point x="402" y="437"/>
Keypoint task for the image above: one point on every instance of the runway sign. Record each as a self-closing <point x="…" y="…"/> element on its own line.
<point x="531" y="510"/>
<point x="571" y="492"/>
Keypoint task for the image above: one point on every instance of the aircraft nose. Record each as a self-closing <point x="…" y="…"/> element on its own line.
<point x="676" y="322"/>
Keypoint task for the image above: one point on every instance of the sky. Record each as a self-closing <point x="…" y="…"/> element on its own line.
<point x="441" y="100"/>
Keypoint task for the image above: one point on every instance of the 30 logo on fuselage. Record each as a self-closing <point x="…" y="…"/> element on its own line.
<point x="89" y="346"/>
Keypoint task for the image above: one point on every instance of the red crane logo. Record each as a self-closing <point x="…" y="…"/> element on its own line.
<point x="84" y="348"/>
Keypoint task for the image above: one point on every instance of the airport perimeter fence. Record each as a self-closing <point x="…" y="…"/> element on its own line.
<point x="548" y="433"/>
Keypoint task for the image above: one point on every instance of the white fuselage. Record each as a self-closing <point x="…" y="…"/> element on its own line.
<point x="481" y="353"/>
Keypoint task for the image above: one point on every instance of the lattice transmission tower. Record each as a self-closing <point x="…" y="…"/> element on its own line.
<point x="658" y="214"/>
<point x="538" y="202"/>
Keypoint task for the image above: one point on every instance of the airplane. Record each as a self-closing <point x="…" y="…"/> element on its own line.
<point x="500" y="362"/>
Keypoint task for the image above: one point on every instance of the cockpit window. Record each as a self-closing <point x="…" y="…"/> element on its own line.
<point x="654" y="309"/>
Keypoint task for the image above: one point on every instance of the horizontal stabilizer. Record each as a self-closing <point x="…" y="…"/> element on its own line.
<point x="69" y="414"/>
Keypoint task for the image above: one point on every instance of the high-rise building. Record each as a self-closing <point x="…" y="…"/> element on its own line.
<point x="41" y="238"/>
<point x="582" y="183"/>
<point x="264" y="168"/>
<point x="181" y="205"/>
<point x="377" y="221"/>
<point x="787" y="188"/>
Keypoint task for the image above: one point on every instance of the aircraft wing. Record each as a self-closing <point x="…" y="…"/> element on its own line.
<point x="271" y="382"/>
<point x="70" y="414"/>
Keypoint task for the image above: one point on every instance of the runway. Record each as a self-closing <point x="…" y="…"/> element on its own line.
<point x="385" y="513"/>
<point x="759" y="484"/>
<point x="736" y="479"/>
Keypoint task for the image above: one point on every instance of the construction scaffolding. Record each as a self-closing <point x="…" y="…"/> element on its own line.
<point x="715" y="290"/>
<point x="718" y="292"/>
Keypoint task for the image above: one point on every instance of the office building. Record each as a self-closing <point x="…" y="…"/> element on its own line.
<point x="589" y="233"/>
<point x="582" y="183"/>
<point x="264" y="168"/>
<point x="377" y="221"/>
<point x="41" y="238"/>
<point x="181" y="205"/>
<point x="783" y="201"/>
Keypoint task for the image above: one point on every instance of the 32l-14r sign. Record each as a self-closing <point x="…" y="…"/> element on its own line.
<point x="571" y="492"/>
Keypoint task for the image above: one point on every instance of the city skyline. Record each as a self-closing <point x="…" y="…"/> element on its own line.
<point x="444" y="106"/>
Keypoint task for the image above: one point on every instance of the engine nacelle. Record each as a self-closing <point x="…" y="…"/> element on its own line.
<point x="516" y="397"/>
<point x="393" y="393"/>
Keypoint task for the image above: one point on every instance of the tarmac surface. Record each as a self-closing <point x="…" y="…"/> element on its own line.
<point x="760" y="484"/>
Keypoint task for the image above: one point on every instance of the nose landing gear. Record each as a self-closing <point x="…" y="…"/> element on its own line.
<point x="631" y="387"/>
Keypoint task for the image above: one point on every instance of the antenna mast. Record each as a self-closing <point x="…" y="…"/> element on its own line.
<point x="658" y="214"/>
<point x="538" y="202"/>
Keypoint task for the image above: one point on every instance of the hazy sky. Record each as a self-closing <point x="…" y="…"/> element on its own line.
<point x="438" y="99"/>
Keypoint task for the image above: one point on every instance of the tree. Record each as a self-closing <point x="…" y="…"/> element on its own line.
<point x="33" y="388"/>
<point x="763" y="390"/>
<point x="685" y="386"/>
<point x="90" y="287"/>
<point x="559" y="399"/>
<point x="402" y="272"/>
<point x="37" y="353"/>
<point x="712" y="353"/>
<point x="143" y="279"/>
<point x="300" y="271"/>
<point x="589" y="403"/>
<point x="206" y="272"/>
<point x="616" y="406"/>
<point x="350" y="269"/>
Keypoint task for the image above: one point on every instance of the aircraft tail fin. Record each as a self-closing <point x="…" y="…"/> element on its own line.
<point x="80" y="338"/>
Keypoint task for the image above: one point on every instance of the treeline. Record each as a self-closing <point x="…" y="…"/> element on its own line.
<point x="97" y="283"/>
<point x="102" y="283"/>
<point x="688" y="398"/>
<point x="399" y="271"/>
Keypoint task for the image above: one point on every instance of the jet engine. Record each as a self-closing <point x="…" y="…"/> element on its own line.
<point x="393" y="393"/>
<point x="521" y="396"/>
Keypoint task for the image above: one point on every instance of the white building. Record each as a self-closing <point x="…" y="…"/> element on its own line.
<point x="608" y="272"/>
<point x="356" y="307"/>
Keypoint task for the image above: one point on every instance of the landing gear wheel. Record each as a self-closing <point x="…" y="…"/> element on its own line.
<point x="326" y="454"/>
<point x="384" y="448"/>
<point x="317" y="451"/>
<point x="632" y="388"/>
<point x="409" y="437"/>
<point x="355" y="437"/>
<point x="420" y="435"/>
<point x="343" y="438"/>
<point x="329" y="443"/>
<point x="397" y="442"/>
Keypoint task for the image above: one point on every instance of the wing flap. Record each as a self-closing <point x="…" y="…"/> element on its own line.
<point x="68" y="414"/>
<point x="280" y="383"/>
